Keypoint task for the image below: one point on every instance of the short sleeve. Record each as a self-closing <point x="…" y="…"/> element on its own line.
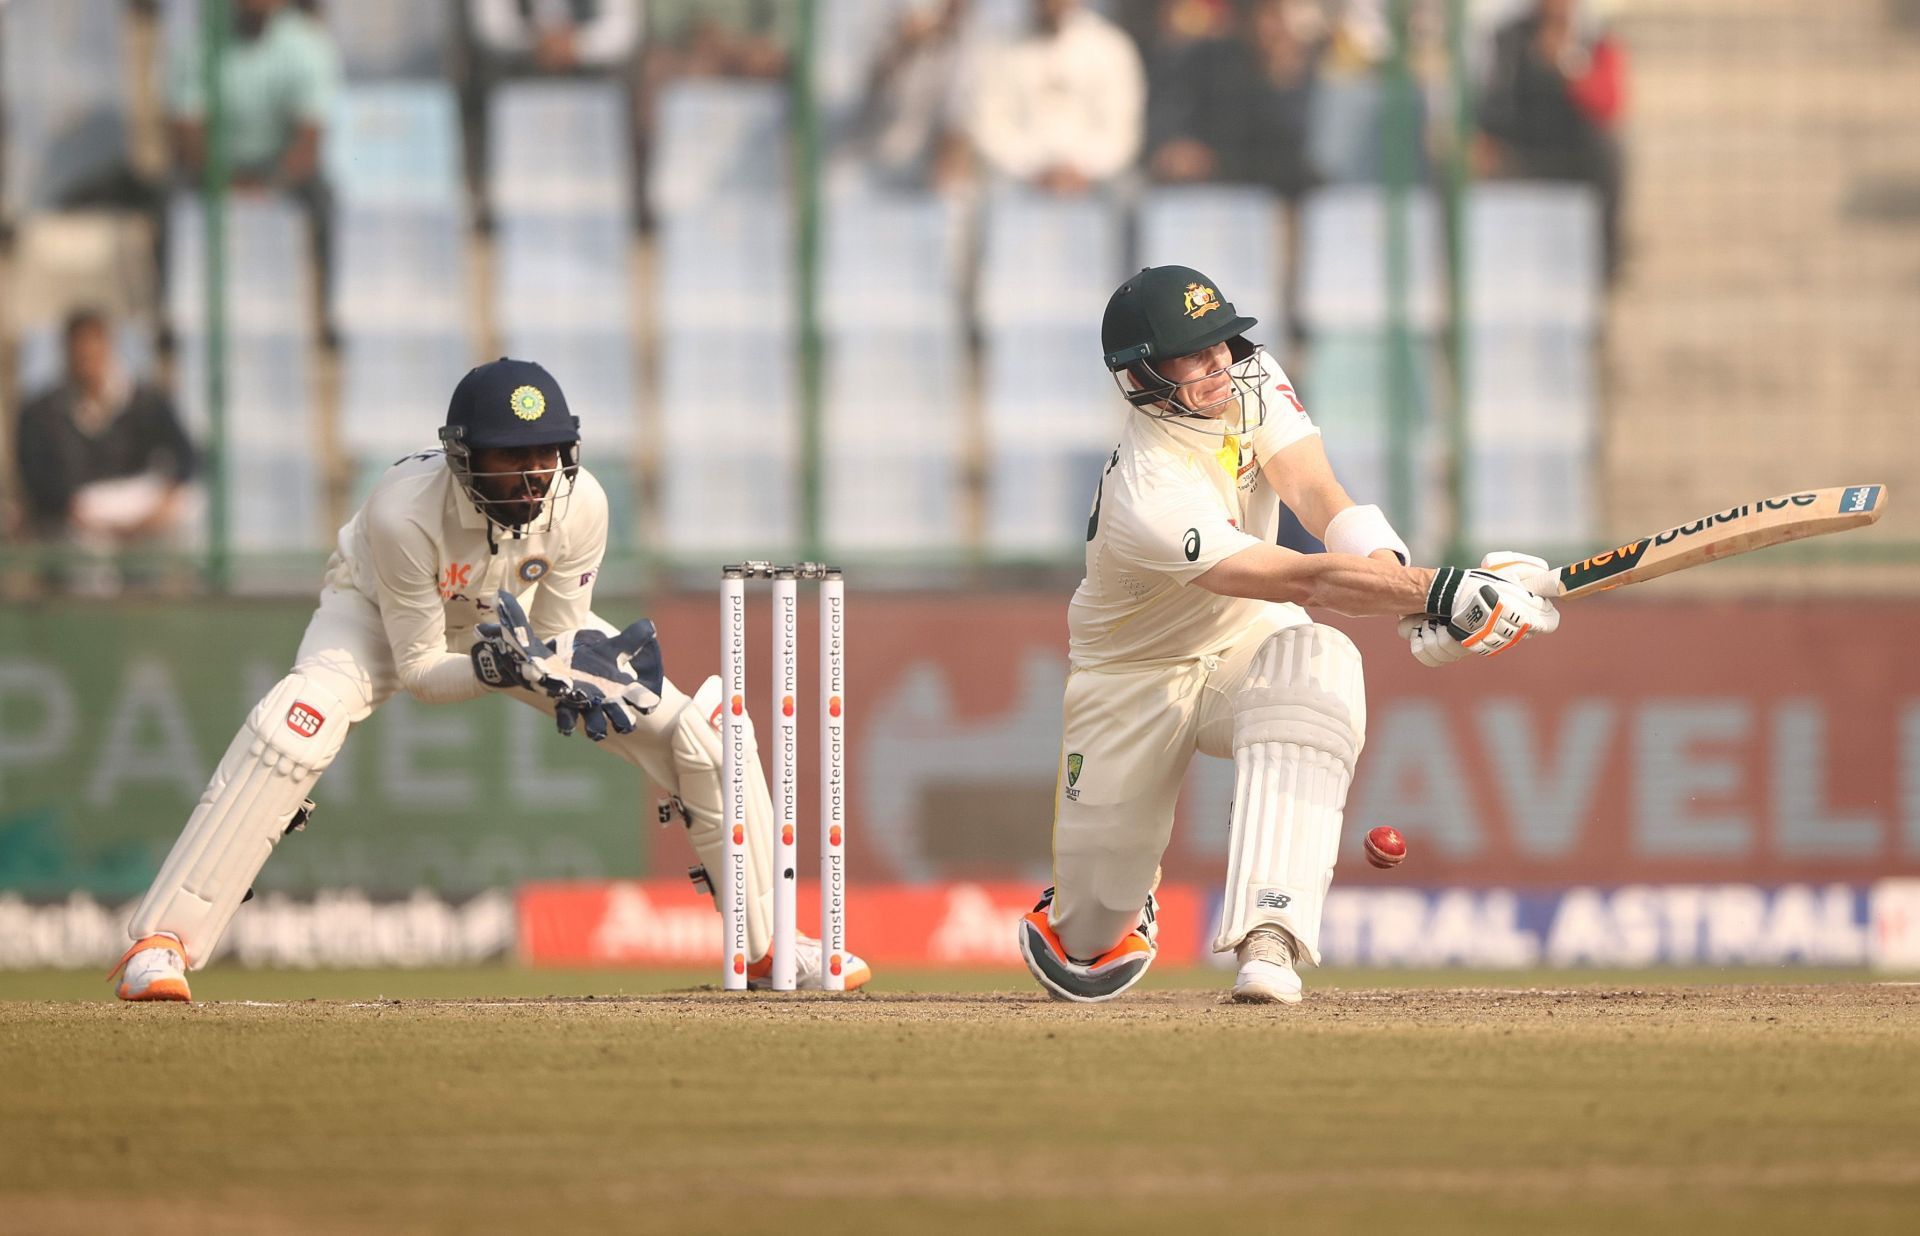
<point x="1286" y="417"/>
<point x="318" y="80"/>
<point x="1180" y="529"/>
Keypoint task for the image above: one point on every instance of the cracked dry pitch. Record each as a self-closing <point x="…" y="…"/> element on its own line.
<point x="1688" y="1109"/>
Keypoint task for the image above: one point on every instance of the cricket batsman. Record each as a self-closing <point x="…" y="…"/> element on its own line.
<point x="469" y="570"/>
<point x="1191" y="632"/>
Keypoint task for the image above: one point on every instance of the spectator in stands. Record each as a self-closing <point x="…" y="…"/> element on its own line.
<point x="539" y="38"/>
<point x="1061" y="107"/>
<point x="1173" y="37"/>
<point x="720" y="38"/>
<point x="103" y="461"/>
<point x="1551" y="108"/>
<point x="910" y="120"/>
<point x="1239" y="109"/>
<point x="277" y="93"/>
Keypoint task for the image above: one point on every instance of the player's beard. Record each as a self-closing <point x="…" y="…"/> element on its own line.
<point x="518" y="498"/>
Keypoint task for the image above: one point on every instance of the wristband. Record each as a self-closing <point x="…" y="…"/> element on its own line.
<point x="1360" y="530"/>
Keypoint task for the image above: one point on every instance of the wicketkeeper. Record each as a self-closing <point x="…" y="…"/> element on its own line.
<point x="1190" y="632"/>
<point x="470" y="569"/>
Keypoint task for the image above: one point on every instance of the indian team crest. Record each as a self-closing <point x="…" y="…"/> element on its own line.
<point x="1201" y="300"/>
<point x="530" y="405"/>
<point x="534" y="569"/>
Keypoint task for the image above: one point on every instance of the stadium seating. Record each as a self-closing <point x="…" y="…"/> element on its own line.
<point x="1344" y="273"/>
<point x="559" y="147"/>
<point x="396" y="144"/>
<point x="730" y="444"/>
<point x="273" y="454"/>
<point x="717" y="140"/>
<point x="384" y="39"/>
<point x="61" y="98"/>
<point x="1533" y="290"/>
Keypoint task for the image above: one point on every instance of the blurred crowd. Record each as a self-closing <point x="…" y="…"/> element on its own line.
<point x="1064" y="96"/>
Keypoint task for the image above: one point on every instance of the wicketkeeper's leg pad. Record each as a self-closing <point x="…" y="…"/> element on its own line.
<point x="1299" y="721"/>
<point x="680" y="751"/>
<point x="261" y="783"/>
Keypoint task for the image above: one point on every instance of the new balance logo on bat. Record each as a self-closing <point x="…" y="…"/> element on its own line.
<point x="1268" y="899"/>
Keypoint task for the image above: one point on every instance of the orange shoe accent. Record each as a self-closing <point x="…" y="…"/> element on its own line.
<point x="1132" y="944"/>
<point x="856" y="979"/>
<point x="762" y="969"/>
<point x="153" y="941"/>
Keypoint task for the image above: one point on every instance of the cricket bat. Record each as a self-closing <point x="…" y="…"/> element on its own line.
<point x="1738" y="530"/>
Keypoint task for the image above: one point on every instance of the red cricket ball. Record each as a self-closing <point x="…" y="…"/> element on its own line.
<point x="1386" y="847"/>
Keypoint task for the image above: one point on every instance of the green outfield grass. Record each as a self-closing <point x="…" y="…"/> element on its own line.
<point x="453" y="1102"/>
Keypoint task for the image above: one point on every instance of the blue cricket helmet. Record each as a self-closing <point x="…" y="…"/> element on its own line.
<point x="510" y="403"/>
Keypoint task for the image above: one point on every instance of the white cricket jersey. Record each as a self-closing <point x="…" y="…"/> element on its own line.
<point x="1173" y="503"/>
<point x="432" y="563"/>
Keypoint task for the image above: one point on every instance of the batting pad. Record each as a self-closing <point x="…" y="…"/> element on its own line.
<point x="1299" y="721"/>
<point x="695" y="778"/>
<point x="288" y="740"/>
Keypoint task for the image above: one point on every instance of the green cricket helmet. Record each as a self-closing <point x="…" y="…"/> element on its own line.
<point x="1169" y="311"/>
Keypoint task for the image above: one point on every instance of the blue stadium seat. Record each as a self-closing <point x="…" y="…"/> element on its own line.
<point x="400" y="268"/>
<point x="717" y="141"/>
<point x="729" y="442"/>
<point x="1230" y="232"/>
<point x="894" y="440"/>
<point x="65" y="117"/>
<point x="1343" y="248"/>
<point x="1048" y="261"/>
<point x="274" y="482"/>
<point x="269" y="276"/>
<point x="394" y="389"/>
<point x="1533" y="255"/>
<point x="891" y="259"/>
<point x="558" y="270"/>
<point x="396" y="144"/>
<point x="379" y="38"/>
<point x="1533" y="429"/>
<point x="560" y="147"/>
<point x="728" y="264"/>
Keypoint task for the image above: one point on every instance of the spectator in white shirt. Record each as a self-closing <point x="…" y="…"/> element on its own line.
<point x="1062" y="107"/>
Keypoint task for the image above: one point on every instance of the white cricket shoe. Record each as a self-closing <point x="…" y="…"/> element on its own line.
<point x="1266" y="969"/>
<point x="807" y="967"/>
<point x="155" y="968"/>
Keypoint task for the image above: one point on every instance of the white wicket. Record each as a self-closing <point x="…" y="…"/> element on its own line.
<point x="785" y="782"/>
<point x="784" y="779"/>
<point x="733" y="776"/>
<point x="833" y="780"/>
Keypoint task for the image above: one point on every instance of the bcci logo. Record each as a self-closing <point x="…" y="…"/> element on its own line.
<point x="1201" y="300"/>
<point x="304" y="721"/>
<point x="528" y="403"/>
<point x="534" y="569"/>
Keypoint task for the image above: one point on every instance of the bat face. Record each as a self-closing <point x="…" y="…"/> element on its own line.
<point x="1737" y="530"/>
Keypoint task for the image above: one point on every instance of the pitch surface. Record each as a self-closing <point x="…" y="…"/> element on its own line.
<point x="1586" y="1108"/>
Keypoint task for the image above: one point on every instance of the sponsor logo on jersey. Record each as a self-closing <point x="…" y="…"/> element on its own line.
<point x="1192" y="545"/>
<point x="304" y="719"/>
<point x="528" y="403"/>
<point x="458" y="575"/>
<point x="1201" y="300"/>
<point x="534" y="569"/>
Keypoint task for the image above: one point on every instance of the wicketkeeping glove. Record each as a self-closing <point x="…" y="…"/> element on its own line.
<point x="594" y="680"/>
